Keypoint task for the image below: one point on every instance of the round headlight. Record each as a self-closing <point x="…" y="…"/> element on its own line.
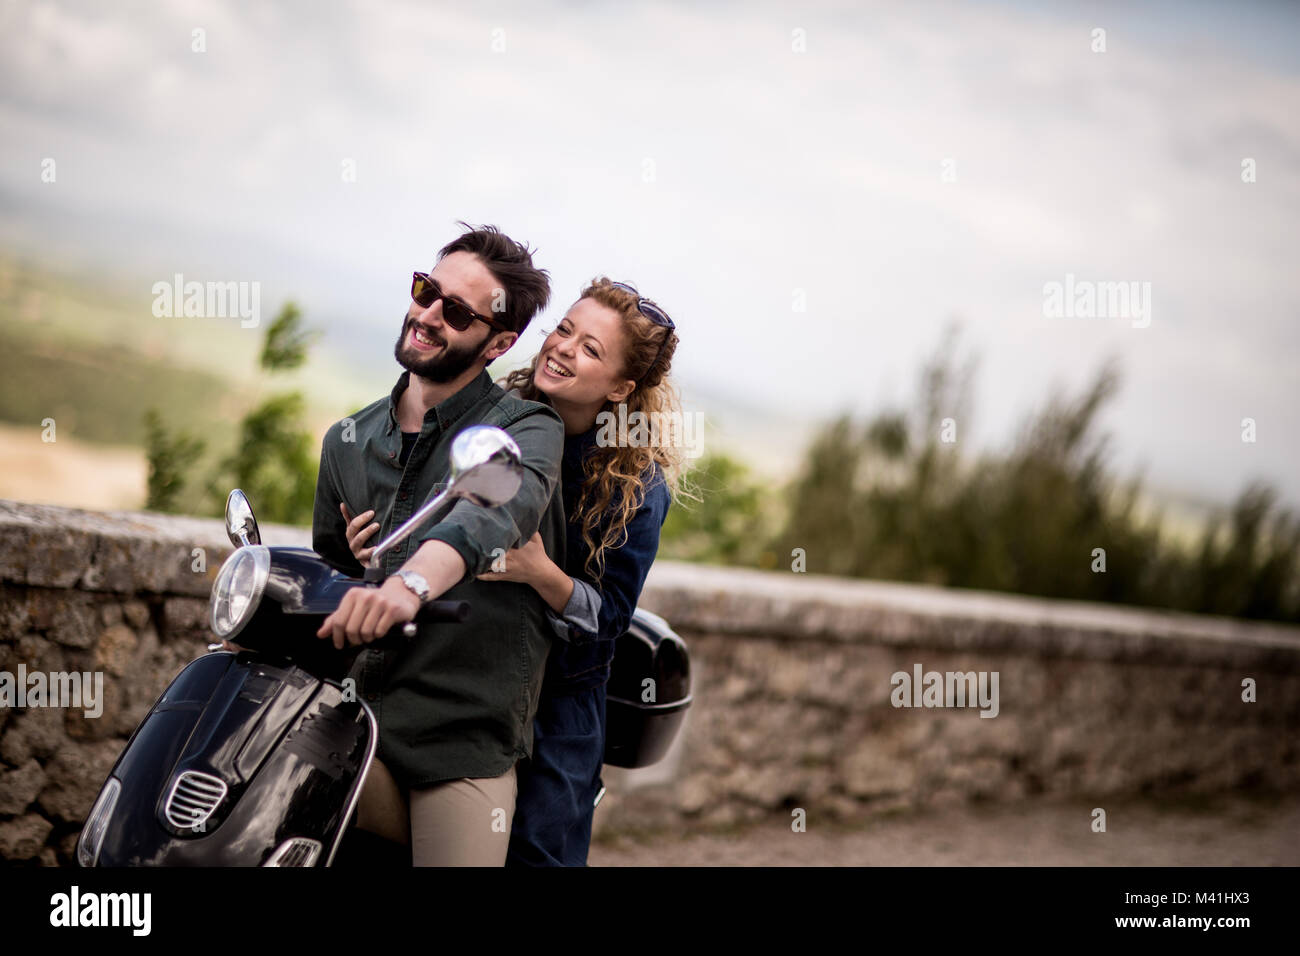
<point x="238" y="589"/>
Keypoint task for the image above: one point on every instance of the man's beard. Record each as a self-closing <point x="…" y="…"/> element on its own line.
<point x="448" y="365"/>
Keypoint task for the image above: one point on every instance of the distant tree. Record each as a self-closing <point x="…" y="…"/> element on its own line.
<point x="1247" y="564"/>
<point x="727" y="523"/>
<point x="273" y="461"/>
<point x="170" y="458"/>
<point x="286" y="344"/>
<point x="887" y="498"/>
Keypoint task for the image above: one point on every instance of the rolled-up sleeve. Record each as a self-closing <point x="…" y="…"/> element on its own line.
<point x="582" y="611"/>
<point x="477" y="532"/>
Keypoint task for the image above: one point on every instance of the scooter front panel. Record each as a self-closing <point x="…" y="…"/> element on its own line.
<point x="304" y="757"/>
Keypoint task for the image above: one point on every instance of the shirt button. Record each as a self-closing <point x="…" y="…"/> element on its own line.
<point x="402" y="496"/>
<point x="372" y="696"/>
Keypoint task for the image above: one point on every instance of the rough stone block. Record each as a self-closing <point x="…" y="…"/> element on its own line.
<point x="14" y="615"/>
<point x="185" y="617"/>
<point x="75" y="776"/>
<point x="18" y="788"/>
<point x="115" y="650"/>
<point x="24" y="838"/>
<point x="36" y="732"/>
<point x="110" y="613"/>
<point x="74" y="621"/>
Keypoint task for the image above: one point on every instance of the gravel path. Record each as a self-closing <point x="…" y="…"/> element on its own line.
<point x="1222" y="832"/>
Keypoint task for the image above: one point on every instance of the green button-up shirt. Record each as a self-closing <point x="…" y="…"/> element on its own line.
<point x="459" y="700"/>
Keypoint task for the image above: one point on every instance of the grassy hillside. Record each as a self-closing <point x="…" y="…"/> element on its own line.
<point x="88" y="352"/>
<point x="98" y="392"/>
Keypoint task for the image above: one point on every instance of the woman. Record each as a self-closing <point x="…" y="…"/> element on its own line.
<point x="611" y="348"/>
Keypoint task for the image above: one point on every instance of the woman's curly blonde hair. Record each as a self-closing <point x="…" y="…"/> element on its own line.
<point x="616" y="476"/>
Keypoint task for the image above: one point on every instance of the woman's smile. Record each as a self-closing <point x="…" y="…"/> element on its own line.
<point x="554" y="369"/>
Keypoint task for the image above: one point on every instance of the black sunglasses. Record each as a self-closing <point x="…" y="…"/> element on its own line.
<point x="426" y="291"/>
<point x="655" y="314"/>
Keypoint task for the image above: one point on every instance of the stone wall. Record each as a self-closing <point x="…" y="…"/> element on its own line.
<point x="792" y="686"/>
<point x="794" y="706"/>
<point x="122" y="593"/>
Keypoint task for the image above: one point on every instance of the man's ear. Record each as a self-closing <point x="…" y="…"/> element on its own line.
<point x="501" y="345"/>
<point x="623" y="391"/>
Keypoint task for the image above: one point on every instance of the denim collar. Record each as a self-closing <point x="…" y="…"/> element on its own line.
<point x="573" y="444"/>
<point x="581" y="444"/>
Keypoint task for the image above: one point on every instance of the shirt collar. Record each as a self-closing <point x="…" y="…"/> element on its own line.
<point x="445" y="412"/>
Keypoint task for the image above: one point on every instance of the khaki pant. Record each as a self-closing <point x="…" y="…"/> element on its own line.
<point x="462" y="822"/>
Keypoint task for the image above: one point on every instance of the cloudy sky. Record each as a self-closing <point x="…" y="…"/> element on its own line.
<point x="812" y="190"/>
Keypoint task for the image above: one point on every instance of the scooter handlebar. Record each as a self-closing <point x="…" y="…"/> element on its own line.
<point x="447" y="611"/>
<point x="450" y="611"/>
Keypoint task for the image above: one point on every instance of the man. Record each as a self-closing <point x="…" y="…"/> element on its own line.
<point x="455" y="706"/>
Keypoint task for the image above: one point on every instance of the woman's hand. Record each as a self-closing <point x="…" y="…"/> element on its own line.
<point x="527" y="565"/>
<point x="531" y="565"/>
<point x="358" y="533"/>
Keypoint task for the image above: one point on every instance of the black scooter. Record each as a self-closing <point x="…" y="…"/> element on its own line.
<point x="258" y="758"/>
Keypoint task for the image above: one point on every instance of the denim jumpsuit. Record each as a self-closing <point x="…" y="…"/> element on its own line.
<point x="558" y="786"/>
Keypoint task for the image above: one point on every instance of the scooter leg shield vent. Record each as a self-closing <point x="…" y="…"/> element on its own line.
<point x="193" y="797"/>
<point x="300" y="851"/>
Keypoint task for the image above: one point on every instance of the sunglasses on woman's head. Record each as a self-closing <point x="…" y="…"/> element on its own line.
<point x="426" y="291"/>
<point x="656" y="315"/>
<point x="647" y="308"/>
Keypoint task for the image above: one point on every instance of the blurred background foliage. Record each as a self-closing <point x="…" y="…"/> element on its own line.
<point x="731" y="522"/>
<point x="274" y="459"/>
<point x="886" y="497"/>
<point x="883" y="496"/>
<point x="86" y="350"/>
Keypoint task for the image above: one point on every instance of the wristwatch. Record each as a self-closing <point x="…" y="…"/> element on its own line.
<point x="416" y="583"/>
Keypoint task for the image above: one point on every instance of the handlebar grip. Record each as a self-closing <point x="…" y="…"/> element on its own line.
<point x="451" y="611"/>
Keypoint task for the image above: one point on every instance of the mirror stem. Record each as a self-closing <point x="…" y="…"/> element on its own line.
<point x="374" y="570"/>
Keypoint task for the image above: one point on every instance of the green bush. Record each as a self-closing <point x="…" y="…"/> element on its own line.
<point x="888" y="498"/>
<point x="728" y="522"/>
<point x="274" y="460"/>
<point x="169" y="457"/>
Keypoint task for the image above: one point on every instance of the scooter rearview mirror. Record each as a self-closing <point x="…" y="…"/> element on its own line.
<point x="241" y="526"/>
<point x="485" y="466"/>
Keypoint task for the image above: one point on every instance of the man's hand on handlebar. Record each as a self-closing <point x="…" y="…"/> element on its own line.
<point x="367" y="614"/>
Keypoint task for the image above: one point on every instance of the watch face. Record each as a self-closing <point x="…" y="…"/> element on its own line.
<point x="416" y="583"/>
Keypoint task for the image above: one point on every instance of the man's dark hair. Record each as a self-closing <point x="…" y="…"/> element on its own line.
<point x="527" y="288"/>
